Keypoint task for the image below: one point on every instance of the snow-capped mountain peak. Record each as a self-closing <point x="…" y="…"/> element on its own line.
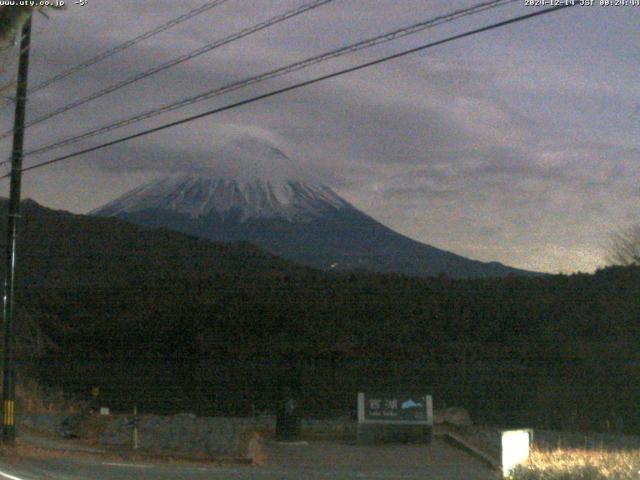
<point x="247" y="179"/>
<point x="252" y="191"/>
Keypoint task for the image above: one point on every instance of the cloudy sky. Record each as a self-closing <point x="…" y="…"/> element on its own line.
<point x="518" y="145"/>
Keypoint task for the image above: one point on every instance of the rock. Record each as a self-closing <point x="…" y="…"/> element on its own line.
<point x="69" y="426"/>
<point x="47" y="423"/>
<point x="456" y="416"/>
<point x="189" y="435"/>
<point x="253" y="449"/>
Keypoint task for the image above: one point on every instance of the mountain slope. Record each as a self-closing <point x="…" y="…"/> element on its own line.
<point x="342" y="239"/>
<point x="173" y="323"/>
<point x="255" y="193"/>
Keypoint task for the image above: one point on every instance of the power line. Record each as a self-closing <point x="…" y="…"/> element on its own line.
<point x="370" y="42"/>
<point x="7" y="86"/>
<point x="11" y="84"/>
<point x="176" y="61"/>
<point x="108" y="53"/>
<point x="298" y="85"/>
<point x="129" y="43"/>
<point x="14" y="83"/>
<point x="12" y="44"/>
<point x="112" y="51"/>
<point x="6" y="47"/>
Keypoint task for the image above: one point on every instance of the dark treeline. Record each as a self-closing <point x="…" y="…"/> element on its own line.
<point x="173" y="323"/>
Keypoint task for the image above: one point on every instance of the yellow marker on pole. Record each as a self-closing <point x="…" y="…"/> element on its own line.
<point x="8" y="413"/>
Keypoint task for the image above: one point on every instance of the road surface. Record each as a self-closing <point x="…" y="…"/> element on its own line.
<point x="318" y="460"/>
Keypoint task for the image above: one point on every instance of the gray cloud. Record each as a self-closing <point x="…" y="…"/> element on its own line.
<point x="495" y="147"/>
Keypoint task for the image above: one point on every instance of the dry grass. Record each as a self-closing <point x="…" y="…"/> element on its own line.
<point x="32" y="398"/>
<point x="576" y="464"/>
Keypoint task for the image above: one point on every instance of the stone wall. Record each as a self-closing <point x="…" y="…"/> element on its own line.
<point x="177" y="435"/>
<point x="182" y="434"/>
<point x="47" y="422"/>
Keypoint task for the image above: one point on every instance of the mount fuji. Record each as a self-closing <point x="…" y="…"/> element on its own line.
<point x="254" y="192"/>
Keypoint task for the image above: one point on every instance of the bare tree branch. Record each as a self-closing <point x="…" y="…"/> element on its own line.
<point x="624" y="247"/>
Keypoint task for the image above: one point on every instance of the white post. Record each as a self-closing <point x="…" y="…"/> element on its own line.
<point x="515" y="449"/>
<point x="429" y="404"/>
<point x="360" y="407"/>
<point x="135" y="428"/>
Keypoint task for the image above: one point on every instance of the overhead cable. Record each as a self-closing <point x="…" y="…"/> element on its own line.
<point x="298" y="86"/>
<point x="368" y="43"/>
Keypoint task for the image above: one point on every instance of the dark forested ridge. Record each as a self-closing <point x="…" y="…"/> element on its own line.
<point x="341" y="239"/>
<point x="174" y="323"/>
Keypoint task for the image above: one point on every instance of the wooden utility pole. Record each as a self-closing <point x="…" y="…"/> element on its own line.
<point x="9" y="365"/>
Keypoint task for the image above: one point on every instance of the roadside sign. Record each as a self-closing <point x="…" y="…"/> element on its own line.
<point x="398" y="409"/>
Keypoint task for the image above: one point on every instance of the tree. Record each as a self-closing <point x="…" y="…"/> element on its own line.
<point x="12" y="19"/>
<point x="624" y="247"/>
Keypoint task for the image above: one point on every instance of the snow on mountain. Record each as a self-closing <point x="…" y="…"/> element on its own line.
<point x="252" y="191"/>
<point x="249" y="178"/>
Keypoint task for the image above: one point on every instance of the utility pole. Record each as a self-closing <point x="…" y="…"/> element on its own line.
<point x="9" y="367"/>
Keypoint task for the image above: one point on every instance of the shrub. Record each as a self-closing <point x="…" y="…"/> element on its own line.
<point x="564" y="464"/>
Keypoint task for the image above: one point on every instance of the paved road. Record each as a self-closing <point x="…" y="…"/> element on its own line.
<point x="319" y="460"/>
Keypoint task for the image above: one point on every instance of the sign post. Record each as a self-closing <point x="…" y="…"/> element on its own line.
<point x="389" y="418"/>
<point x="515" y="449"/>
